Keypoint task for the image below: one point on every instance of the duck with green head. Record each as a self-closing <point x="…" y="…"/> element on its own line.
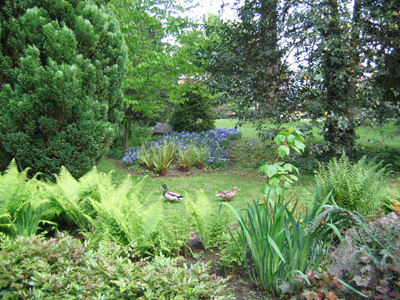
<point x="171" y="196"/>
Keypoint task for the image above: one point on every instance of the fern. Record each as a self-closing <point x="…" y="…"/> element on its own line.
<point x="175" y="231"/>
<point x="13" y="188"/>
<point x="124" y="217"/>
<point x="66" y="198"/>
<point x="6" y="224"/>
<point x="21" y="202"/>
<point x="355" y="187"/>
<point x="208" y="224"/>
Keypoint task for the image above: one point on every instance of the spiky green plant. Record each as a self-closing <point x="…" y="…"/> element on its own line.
<point x="199" y="154"/>
<point x="146" y="157"/>
<point x="354" y="186"/>
<point x="280" y="244"/>
<point x="164" y="156"/>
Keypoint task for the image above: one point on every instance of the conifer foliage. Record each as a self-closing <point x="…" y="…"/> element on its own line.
<point x="62" y="65"/>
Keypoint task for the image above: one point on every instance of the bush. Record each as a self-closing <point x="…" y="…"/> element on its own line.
<point x="195" y="114"/>
<point x="62" y="67"/>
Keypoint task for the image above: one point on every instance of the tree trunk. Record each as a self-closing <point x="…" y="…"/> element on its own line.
<point x="339" y="130"/>
<point x="127" y="128"/>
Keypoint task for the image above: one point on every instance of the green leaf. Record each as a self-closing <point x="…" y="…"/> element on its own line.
<point x="276" y="248"/>
<point x="283" y="151"/>
<point x="300" y="146"/>
<point x="269" y="170"/>
<point x="279" y="139"/>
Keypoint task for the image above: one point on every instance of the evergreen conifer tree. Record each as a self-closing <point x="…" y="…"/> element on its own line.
<point x="62" y="65"/>
<point x="195" y="113"/>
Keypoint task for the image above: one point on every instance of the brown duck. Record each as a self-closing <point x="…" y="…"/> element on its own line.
<point x="228" y="195"/>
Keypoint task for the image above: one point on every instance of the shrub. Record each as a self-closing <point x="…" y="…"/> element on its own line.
<point x="194" y="114"/>
<point x="355" y="187"/>
<point x="62" y="71"/>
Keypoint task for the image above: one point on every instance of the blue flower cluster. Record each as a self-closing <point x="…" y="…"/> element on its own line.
<point x="214" y="140"/>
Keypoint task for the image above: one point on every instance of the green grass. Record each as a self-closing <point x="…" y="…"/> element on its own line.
<point x="387" y="135"/>
<point x="247" y="128"/>
<point x="248" y="155"/>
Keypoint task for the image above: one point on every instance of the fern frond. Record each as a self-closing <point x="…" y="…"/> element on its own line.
<point x="65" y="197"/>
<point x="13" y="190"/>
<point x="355" y="186"/>
<point x="6" y="224"/>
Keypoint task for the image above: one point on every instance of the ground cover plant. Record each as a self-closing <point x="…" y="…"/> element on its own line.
<point x="64" y="268"/>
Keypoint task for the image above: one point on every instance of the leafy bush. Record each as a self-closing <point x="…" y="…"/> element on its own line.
<point x="194" y="114"/>
<point x="355" y="187"/>
<point x="62" y="268"/>
<point x="60" y="96"/>
<point x="279" y="174"/>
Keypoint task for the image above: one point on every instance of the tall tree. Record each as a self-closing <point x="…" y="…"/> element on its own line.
<point x="382" y="29"/>
<point x="159" y="42"/>
<point x="245" y="59"/>
<point x="344" y="56"/>
<point x="341" y="52"/>
<point x="62" y="67"/>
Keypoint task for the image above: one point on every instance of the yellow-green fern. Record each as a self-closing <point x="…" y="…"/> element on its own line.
<point x="125" y="217"/>
<point x="208" y="223"/>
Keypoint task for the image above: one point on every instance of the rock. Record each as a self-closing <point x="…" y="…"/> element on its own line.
<point x="348" y="262"/>
<point x="162" y="128"/>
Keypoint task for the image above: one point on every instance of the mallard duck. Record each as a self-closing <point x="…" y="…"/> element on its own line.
<point x="228" y="195"/>
<point x="171" y="196"/>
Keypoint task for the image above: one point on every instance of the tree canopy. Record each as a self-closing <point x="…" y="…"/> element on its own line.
<point x="160" y="46"/>
<point x="330" y="60"/>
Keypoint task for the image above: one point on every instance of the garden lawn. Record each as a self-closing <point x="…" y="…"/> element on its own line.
<point x="387" y="135"/>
